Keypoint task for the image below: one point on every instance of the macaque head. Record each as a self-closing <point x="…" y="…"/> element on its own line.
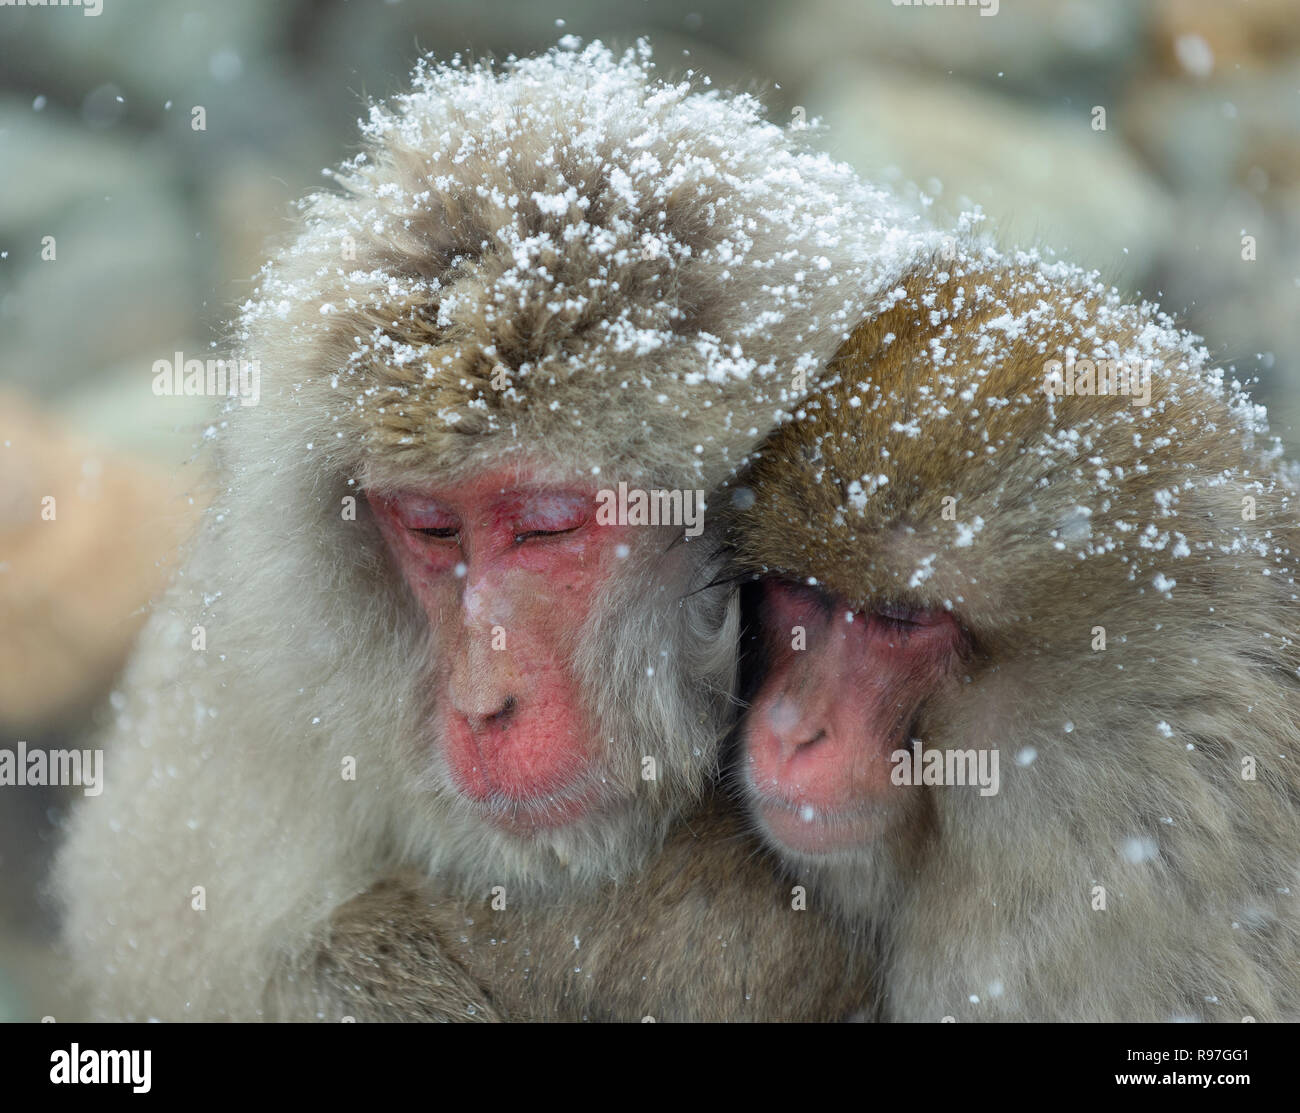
<point x="840" y="695"/>
<point x="578" y="661"/>
<point x="554" y="305"/>
<point x="939" y="541"/>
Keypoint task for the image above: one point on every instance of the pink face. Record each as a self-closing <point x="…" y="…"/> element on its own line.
<point x="820" y="732"/>
<point x="507" y="574"/>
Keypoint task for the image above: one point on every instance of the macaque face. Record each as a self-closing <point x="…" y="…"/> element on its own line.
<point x="507" y="574"/>
<point x="842" y="692"/>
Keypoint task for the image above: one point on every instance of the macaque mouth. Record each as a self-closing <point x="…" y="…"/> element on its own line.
<point x="809" y="829"/>
<point x="527" y="816"/>
<point x="519" y="769"/>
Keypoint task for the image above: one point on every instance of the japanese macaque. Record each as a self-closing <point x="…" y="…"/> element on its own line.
<point x="1025" y="522"/>
<point x="417" y="642"/>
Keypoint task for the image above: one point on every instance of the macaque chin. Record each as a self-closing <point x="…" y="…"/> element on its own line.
<point x="840" y="698"/>
<point x="507" y="574"/>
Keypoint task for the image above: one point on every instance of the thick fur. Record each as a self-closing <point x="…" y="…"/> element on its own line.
<point x="708" y="932"/>
<point x="654" y="270"/>
<point x="380" y="959"/>
<point x="1120" y="767"/>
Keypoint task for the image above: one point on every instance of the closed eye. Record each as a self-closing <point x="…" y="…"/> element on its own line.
<point x="522" y="537"/>
<point x="900" y="618"/>
<point x="436" y="531"/>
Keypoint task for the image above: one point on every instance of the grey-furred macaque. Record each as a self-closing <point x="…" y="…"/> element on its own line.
<point x="1026" y="684"/>
<point x="405" y="665"/>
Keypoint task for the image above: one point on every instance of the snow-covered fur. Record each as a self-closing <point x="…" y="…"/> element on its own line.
<point x="1125" y="569"/>
<point x="564" y="262"/>
<point x="572" y="260"/>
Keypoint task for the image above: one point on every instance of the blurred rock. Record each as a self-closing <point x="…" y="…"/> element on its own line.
<point x="1043" y="178"/>
<point x="121" y="285"/>
<point x="1211" y="137"/>
<point x="151" y="48"/>
<point x="1050" y="45"/>
<point x="1238" y="36"/>
<point x="33" y="984"/>
<point x="51" y="164"/>
<point x="27" y="834"/>
<point x="73" y="590"/>
<point x="1246" y="308"/>
<point x="247" y="208"/>
<point x="123" y="277"/>
<point x="358" y="53"/>
<point x="120" y="407"/>
<point x="1225" y="142"/>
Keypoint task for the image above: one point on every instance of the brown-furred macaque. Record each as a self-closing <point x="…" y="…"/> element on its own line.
<point x="454" y="623"/>
<point x="708" y="930"/>
<point x="1026" y="691"/>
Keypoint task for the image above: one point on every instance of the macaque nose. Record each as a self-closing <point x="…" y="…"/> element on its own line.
<point x="482" y="703"/>
<point x="499" y="718"/>
<point x="790" y="727"/>
<point x="484" y="686"/>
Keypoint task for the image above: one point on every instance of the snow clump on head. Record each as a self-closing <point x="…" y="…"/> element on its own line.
<point x="569" y="256"/>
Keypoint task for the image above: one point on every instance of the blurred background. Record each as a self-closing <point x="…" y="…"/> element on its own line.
<point x="1156" y="140"/>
